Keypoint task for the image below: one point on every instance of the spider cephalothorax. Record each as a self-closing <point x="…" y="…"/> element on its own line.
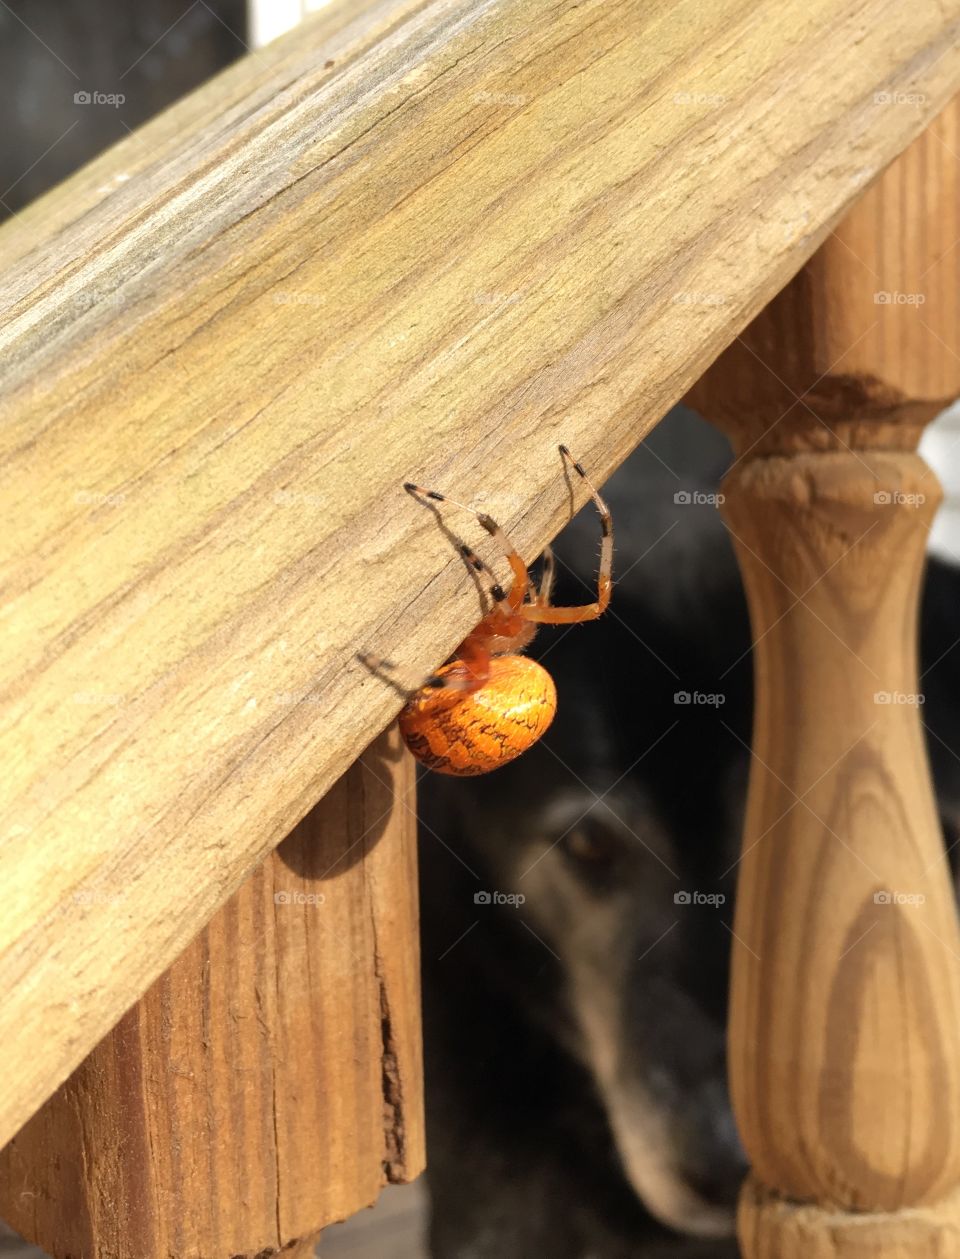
<point x="488" y="704"/>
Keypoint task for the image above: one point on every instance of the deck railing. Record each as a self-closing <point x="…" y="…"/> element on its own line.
<point x="409" y="240"/>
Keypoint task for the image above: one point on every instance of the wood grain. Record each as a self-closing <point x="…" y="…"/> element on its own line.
<point x="774" y="1229"/>
<point x="845" y="997"/>
<point x="862" y="347"/>
<point x="425" y="240"/>
<point x="270" y="1082"/>
<point x="845" y="1004"/>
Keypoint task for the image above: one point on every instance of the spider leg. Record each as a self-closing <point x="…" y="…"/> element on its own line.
<point x="546" y="578"/>
<point x="383" y="669"/>
<point x="546" y="614"/>
<point x="497" y="592"/>
<point x="521" y="579"/>
<point x="469" y="670"/>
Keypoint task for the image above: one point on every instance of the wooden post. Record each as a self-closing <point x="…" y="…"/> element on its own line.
<point x="270" y="1082"/>
<point x="845" y="1011"/>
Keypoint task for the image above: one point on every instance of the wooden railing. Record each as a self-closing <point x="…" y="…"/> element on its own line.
<point x="424" y="240"/>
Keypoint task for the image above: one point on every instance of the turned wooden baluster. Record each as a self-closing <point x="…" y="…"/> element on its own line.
<point x="845" y="1008"/>
<point x="270" y="1082"/>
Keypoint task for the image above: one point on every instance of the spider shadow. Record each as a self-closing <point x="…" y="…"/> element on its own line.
<point x="483" y="592"/>
<point x="379" y="667"/>
<point x="572" y="498"/>
<point x="462" y="549"/>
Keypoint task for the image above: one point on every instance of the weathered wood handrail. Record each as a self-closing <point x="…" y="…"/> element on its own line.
<point x="415" y="239"/>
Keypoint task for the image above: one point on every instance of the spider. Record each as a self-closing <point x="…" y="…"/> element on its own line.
<point x="488" y="704"/>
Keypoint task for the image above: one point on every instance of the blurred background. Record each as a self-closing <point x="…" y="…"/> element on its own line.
<point x="574" y="1032"/>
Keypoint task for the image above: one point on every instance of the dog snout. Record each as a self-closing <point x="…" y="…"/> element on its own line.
<point x="712" y="1161"/>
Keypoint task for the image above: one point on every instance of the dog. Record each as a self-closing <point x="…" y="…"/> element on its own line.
<point x="577" y="904"/>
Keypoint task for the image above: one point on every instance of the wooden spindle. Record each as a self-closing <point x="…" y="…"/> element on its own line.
<point x="270" y="1082"/>
<point x="845" y="1007"/>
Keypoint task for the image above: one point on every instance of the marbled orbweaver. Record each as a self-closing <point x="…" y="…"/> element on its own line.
<point x="488" y="704"/>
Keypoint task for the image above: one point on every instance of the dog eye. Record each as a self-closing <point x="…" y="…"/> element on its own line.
<point x="592" y="847"/>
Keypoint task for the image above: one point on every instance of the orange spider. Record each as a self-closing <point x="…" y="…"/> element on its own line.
<point x="488" y="704"/>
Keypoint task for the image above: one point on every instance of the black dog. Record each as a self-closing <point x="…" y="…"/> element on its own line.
<point x="576" y="1091"/>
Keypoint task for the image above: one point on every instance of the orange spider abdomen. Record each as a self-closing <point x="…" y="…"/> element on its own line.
<point x="472" y="732"/>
